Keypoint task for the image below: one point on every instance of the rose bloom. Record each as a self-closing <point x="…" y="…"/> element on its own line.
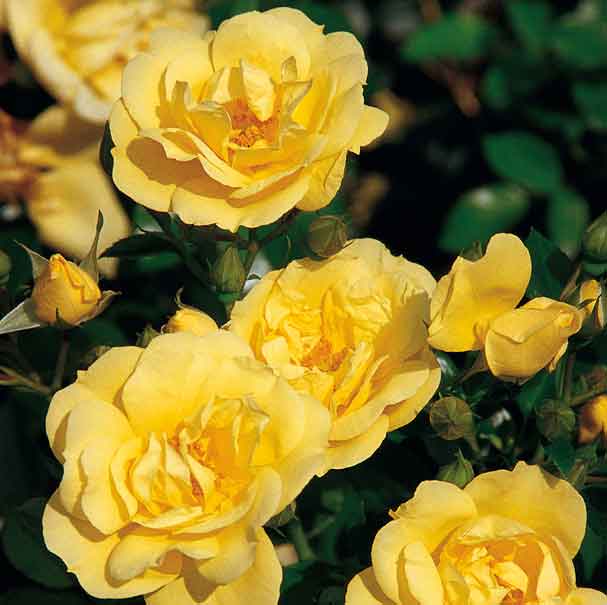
<point x="52" y="165"/>
<point x="174" y="456"/>
<point x="77" y="50"/>
<point x="351" y="331"/>
<point x="244" y="124"/>
<point x="507" y="538"/>
<point x="522" y="342"/>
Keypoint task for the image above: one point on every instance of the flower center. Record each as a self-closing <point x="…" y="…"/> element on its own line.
<point x="247" y="128"/>
<point x="323" y="357"/>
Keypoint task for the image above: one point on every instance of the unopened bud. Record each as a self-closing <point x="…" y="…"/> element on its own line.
<point x="327" y="235"/>
<point x="593" y="420"/>
<point x="5" y="268"/>
<point x="228" y="273"/>
<point x="554" y="419"/>
<point x="595" y="240"/>
<point x="459" y="472"/>
<point x="145" y="337"/>
<point x="452" y="418"/>
<point x="590" y="298"/>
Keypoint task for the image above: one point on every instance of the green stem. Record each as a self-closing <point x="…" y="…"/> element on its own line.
<point x="579" y="399"/>
<point x="298" y="537"/>
<point x="568" y="379"/>
<point x="61" y="361"/>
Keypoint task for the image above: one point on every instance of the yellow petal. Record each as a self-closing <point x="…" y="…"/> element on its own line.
<point x="259" y="90"/>
<point x="143" y="172"/>
<point x="141" y="79"/>
<point x="586" y="596"/>
<point x="236" y="553"/>
<point x="531" y="496"/>
<point x="475" y="293"/>
<point x="363" y="589"/>
<point x="122" y="127"/>
<point x="372" y="125"/>
<point x="263" y="41"/>
<point x="436" y="509"/>
<point x="199" y="202"/>
<point x="327" y="176"/>
<point x="423" y="580"/>
<point x="86" y="552"/>
<point x="347" y="453"/>
<point x="523" y="341"/>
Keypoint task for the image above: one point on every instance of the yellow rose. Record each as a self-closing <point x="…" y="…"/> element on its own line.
<point x="475" y="292"/>
<point x="242" y="125"/>
<point x="190" y="320"/>
<point x="351" y="331"/>
<point x="52" y="165"/>
<point x="173" y="457"/>
<point x="593" y="420"/>
<point x="589" y="292"/>
<point x="522" y="342"/>
<point x="508" y="537"/>
<point x="77" y="50"/>
<point x="66" y="290"/>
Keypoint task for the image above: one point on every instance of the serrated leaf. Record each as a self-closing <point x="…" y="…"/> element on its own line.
<point x="24" y="547"/>
<point x="567" y="218"/>
<point x="480" y="213"/>
<point x="525" y="159"/>
<point x="551" y="268"/>
<point x="534" y="391"/>
<point x="458" y="36"/>
<point x="140" y="244"/>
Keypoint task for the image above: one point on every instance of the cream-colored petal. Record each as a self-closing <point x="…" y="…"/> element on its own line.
<point x="531" y="496"/>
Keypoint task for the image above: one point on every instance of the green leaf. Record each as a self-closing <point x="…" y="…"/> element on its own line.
<point x="105" y="151"/>
<point x="331" y="16"/>
<point x="551" y="268"/>
<point x="480" y="213"/>
<point x="24" y="547"/>
<point x="592" y="552"/>
<point x="581" y="45"/>
<point x="531" y="21"/>
<point x="540" y="387"/>
<point x="457" y="36"/>
<point x="591" y="100"/>
<point x="140" y="244"/>
<point x="569" y="125"/>
<point x="567" y="219"/>
<point x="525" y="159"/>
<point x="562" y="454"/>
